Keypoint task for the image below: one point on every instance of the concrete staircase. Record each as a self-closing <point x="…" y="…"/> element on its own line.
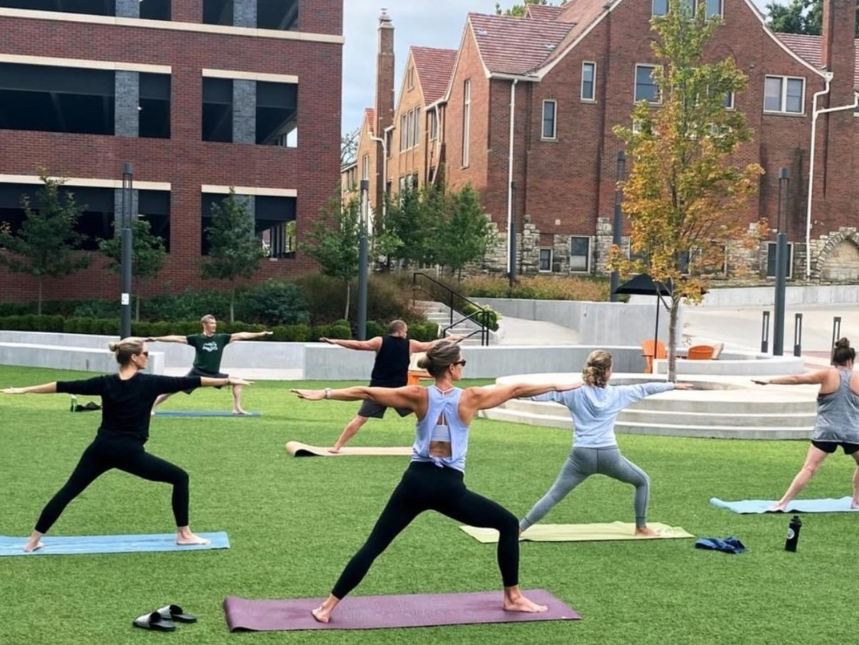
<point x="721" y="414"/>
<point x="440" y="314"/>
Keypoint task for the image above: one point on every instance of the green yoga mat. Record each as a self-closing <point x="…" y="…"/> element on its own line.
<point x="580" y="532"/>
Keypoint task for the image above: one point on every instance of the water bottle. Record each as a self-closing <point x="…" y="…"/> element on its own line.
<point x="74" y="403"/>
<point x="793" y="533"/>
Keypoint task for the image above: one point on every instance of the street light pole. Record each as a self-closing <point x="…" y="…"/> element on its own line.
<point x="362" y="260"/>
<point x="126" y="252"/>
<point x="617" y="232"/>
<point x="781" y="257"/>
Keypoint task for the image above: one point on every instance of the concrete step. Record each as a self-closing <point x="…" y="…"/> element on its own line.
<point x="677" y="403"/>
<point x="771" y="432"/>
<point x="716" y="419"/>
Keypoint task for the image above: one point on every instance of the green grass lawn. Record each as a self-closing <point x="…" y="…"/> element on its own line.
<point x="293" y="523"/>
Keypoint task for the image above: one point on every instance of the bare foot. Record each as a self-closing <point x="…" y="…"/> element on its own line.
<point x="335" y="450"/>
<point x="240" y="412"/>
<point x="321" y="614"/>
<point x="31" y="546"/>
<point x="777" y="507"/>
<point x="521" y="603"/>
<point x="854" y="503"/>
<point x="644" y="531"/>
<point x="186" y="538"/>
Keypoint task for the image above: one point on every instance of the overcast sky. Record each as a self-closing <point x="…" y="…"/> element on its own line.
<point x="425" y="23"/>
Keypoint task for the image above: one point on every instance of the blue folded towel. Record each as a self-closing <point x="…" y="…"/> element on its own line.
<point x="728" y="545"/>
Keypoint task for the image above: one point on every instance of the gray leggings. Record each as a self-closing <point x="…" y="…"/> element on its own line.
<point x="581" y="464"/>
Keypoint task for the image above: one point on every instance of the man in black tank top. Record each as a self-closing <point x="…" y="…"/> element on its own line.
<point x="391" y="369"/>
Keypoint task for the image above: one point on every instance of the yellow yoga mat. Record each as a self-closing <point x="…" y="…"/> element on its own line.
<point x="298" y="449"/>
<point x="580" y="532"/>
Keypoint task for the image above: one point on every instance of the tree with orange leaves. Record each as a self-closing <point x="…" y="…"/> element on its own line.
<point x="687" y="191"/>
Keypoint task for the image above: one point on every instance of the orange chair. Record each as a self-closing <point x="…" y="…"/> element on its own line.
<point x="415" y="376"/>
<point x="700" y="353"/>
<point x="651" y="349"/>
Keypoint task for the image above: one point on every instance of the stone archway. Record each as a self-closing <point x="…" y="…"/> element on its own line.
<point x="839" y="259"/>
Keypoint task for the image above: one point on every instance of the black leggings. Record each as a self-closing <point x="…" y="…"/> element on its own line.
<point x="103" y="455"/>
<point x="426" y="487"/>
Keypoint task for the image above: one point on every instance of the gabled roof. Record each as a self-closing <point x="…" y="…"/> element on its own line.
<point x="370" y="118"/>
<point x="434" y="67"/>
<point x="810" y="49"/>
<point x="542" y="12"/>
<point x="513" y="46"/>
<point x="583" y="14"/>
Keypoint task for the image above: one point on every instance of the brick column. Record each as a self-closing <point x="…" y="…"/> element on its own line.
<point x="245" y="13"/>
<point x="126" y="114"/>
<point x="128" y="8"/>
<point x="117" y="208"/>
<point x="244" y="111"/>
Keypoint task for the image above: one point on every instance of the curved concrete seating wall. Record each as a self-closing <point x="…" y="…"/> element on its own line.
<point x="598" y="323"/>
<point x="316" y="361"/>
<point x="737" y="364"/>
<point x="833" y="294"/>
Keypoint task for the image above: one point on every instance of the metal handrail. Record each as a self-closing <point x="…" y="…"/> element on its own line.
<point x="480" y="316"/>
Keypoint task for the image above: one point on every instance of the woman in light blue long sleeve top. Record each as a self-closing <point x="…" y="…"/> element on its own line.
<point x="594" y="409"/>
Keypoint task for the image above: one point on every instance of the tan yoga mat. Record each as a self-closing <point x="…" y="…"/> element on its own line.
<point x="580" y="532"/>
<point x="298" y="449"/>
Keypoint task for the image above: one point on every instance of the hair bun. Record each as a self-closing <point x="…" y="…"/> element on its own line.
<point x="113" y="346"/>
<point x="842" y="343"/>
<point x="424" y="362"/>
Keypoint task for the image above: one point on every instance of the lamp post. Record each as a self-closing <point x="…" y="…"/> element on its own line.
<point x="362" y="260"/>
<point x="617" y="232"/>
<point x="781" y="257"/>
<point x="126" y="250"/>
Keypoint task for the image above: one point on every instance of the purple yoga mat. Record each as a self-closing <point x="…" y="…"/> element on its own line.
<point x="380" y="612"/>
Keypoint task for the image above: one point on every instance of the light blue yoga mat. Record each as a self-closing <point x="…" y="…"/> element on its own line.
<point x="81" y="544"/>
<point x="796" y="506"/>
<point x="202" y="413"/>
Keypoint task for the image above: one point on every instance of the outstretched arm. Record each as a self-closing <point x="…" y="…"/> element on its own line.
<point x="45" y="388"/>
<point x="167" y="339"/>
<point x="490" y="396"/>
<point x="818" y="377"/>
<point x="205" y="381"/>
<point x="416" y="346"/>
<point x="249" y="335"/>
<point x="372" y="345"/>
<point x="409" y="396"/>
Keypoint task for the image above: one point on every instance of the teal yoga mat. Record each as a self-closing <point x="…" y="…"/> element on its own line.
<point x="796" y="506"/>
<point x="88" y="544"/>
<point x="202" y="413"/>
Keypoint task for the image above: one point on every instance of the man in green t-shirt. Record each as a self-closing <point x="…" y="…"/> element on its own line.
<point x="209" y="347"/>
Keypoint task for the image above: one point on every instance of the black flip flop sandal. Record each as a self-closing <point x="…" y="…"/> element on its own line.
<point x="154" y="621"/>
<point x="174" y="612"/>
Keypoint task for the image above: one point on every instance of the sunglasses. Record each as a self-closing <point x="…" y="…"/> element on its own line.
<point x="146" y="354"/>
<point x="460" y="363"/>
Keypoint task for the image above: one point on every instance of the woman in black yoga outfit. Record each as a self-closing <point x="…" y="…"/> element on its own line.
<point x="434" y="479"/>
<point x="127" y="400"/>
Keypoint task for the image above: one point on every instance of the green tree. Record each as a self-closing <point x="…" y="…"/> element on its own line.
<point x="333" y="241"/>
<point x="463" y="232"/>
<point x="799" y="17"/>
<point x="46" y="243"/>
<point x="235" y="251"/>
<point x="411" y="220"/>
<point x="147" y="254"/>
<point x="518" y="10"/>
<point x="684" y="196"/>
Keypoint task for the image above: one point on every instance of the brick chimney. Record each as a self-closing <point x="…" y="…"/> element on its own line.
<point x="385" y="74"/>
<point x="839" y="47"/>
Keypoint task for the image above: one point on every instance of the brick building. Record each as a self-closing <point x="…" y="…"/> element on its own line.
<point x="571" y="73"/>
<point x="199" y="95"/>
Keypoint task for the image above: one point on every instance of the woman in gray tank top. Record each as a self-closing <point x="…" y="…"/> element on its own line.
<point x="837" y="418"/>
